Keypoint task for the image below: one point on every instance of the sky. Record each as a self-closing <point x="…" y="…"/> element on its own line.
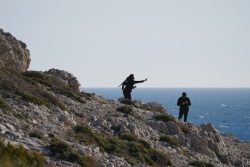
<point x="177" y="43"/>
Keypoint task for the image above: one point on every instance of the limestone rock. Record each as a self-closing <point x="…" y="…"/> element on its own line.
<point x="70" y="79"/>
<point x="157" y="107"/>
<point x="13" y="53"/>
<point x="208" y="127"/>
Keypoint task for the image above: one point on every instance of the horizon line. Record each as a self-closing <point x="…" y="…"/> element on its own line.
<point x="179" y="87"/>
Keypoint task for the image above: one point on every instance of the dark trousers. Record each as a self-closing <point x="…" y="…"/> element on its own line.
<point x="185" y="112"/>
<point x="127" y="95"/>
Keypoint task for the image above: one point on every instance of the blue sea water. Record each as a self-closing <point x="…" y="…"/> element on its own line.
<point x="228" y="109"/>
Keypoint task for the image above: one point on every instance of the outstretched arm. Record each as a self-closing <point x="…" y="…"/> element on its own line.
<point x="140" y="81"/>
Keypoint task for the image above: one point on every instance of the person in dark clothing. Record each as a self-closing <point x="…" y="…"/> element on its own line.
<point x="128" y="85"/>
<point x="184" y="103"/>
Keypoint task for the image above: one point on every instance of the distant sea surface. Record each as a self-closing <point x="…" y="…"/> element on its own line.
<point x="228" y="109"/>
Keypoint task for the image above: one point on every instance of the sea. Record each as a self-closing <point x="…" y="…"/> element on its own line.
<point x="228" y="109"/>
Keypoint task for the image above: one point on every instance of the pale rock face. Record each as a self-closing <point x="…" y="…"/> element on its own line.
<point x="199" y="144"/>
<point x="70" y="79"/>
<point x="208" y="127"/>
<point x="13" y="53"/>
<point x="3" y="129"/>
<point x="173" y="128"/>
<point x="158" y="107"/>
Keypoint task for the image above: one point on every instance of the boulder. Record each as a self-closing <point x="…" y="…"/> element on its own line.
<point x="209" y="127"/>
<point x="70" y="79"/>
<point x="158" y="107"/>
<point x="13" y="53"/>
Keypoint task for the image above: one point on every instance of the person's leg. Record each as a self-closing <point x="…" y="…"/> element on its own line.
<point x="180" y="114"/>
<point x="124" y="94"/>
<point x="185" y="116"/>
<point x="129" y="95"/>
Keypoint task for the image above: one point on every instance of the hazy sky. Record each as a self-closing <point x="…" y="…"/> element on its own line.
<point x="188" y="43"/>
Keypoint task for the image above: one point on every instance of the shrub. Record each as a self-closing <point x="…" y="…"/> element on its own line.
<point x="128" y="137"/>
<point x="3" y="104"/>
<point x="54" y="100"/>
<point x="51" y="135"/>
<point x="201" y="164"/>
<point x="145" y="143"/>
<point x="20" y="116"/>
<point x="37" y="135"/>
<point x="67" y="153"/>
<point x="11" y="156"/>
<point x="133" y="150"/>
<point x="174" y="142"/>
<point x="30" y="98"/>
<point x="70" y="94"/>
<point x="125" y="109"/>
<point x="166" y="118"/>
<point x="170" y="140"/>
<point x="127" y="101"/>
<point x="56" y="85"/>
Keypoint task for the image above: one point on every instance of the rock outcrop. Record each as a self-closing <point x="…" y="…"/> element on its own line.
<point x="69" y="78"/>
<point x="13" y="53"/>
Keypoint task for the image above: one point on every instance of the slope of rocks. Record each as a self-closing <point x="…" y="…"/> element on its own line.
<point x="66" y="109"/>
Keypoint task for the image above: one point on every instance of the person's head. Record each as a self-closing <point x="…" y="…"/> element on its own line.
<point x="184" y="94"/>
<point x="131" y="77"/>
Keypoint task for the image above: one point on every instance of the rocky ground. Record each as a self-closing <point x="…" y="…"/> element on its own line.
<point x="102" y="115"/>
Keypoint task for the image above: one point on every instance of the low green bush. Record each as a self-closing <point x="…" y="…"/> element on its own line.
<point x="129" y="137"/>
<point x="201" y="164"/>
<point x="11" y="156"/>
<point x="127" y="101"/>
<point x="20" y="116"/>
<point x="169" y="140"/>
<point x="133" y="150"/>
<point x="31" y="98"/>
<point x="3" y="104"/>
<point x="125" y="109"/>
<point x="37" y="135"/>
<point x="67" y="153"/>
<point x="166" y="118"/>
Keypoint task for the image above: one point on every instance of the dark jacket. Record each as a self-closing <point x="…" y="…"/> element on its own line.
<point x="180" y="102"/>
<point x="129" y="85"/>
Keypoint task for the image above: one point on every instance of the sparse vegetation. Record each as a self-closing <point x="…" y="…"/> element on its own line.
<point x="128" y="102"/>
<point x="27" y="87"/>
<point x="151" y="109"/>
<point x="166" y="118"/>
<point x="11" y="156"/>
<point x="102" y="102"/>
<point x="37" y="135"/>
<point x="201" y="164"/>
<point x="67" y="153"/>
<point x="170" y="140"/>
<point x="3" y="104"/>
<point x="125" y="109"/>
<point x="57" y="85"/>
<point x="133" y="150"/>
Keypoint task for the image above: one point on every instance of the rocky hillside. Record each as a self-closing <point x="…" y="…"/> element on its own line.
<point x="48" y="122"/>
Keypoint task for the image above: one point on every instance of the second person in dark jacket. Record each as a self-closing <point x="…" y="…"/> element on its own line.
<point x="184" y="103"/>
